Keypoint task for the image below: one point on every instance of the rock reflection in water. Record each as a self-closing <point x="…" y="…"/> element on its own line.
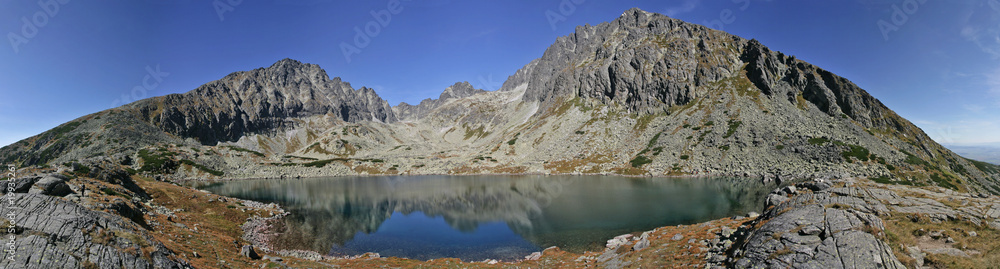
<point x="493" y="214"/>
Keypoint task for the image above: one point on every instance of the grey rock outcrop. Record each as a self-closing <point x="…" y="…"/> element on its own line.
<point x="53" y="184"/>
<point x="822" y="229"/>
<point x="21" y="185"/>
<point x="54" y="233"/>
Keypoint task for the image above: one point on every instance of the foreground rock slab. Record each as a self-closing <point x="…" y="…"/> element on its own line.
<point x="54" y="233"/>
<point x="820" y="229"/>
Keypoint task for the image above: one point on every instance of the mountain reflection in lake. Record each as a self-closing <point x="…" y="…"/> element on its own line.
<point x="480" y="217"/>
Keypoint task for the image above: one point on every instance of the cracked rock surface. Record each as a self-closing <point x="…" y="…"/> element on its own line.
<point x="54" y="233"/>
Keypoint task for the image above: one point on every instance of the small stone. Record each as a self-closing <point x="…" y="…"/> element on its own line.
<point x="618" y="241"/>
<point x="935" y="235"/>
<point x="790" y="190"/>
<point x="727" y="232"/>
<point x="949" y="240"/>
<point x="972" y="233"/>
<point x="753" y="215"/>
<point x="775" y="199"/>
<point x="642" y="244"/>
<point x="248" y="251"/>
<point x="677" y="237"/>
<point x="195" y="254"/>
<point x="533" y="256"/>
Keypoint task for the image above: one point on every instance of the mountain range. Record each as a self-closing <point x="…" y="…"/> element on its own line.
<point x="642" y="95"/>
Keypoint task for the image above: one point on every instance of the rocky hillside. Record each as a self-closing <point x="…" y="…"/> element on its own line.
<point x="643" y="94"/>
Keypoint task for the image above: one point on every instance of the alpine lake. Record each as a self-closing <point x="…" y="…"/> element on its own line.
<point x="474" y="218"/>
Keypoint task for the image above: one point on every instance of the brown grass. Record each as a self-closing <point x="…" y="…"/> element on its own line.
<point x="900" y="229"/>
<point x="572" y="165"/>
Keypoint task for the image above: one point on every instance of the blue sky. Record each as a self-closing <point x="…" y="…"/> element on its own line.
<point x="936" y="63"/>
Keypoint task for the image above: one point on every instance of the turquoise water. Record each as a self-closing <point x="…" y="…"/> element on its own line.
<point x="487" y="217"/>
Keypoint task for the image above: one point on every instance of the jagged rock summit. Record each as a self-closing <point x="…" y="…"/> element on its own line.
<point x="261" y="100"/>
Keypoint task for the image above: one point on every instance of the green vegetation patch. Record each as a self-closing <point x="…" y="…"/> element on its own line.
<point x="653" y="140"/>
<point x="943" y="182"/>
<point x="639" y="161"/>
<point x="985" y="166"/>
<point x="733" y="124"/>
<point x="513" y="141"/>
<point x="818" y="140"/>
<point x="914" y="160"/>
<point x="322" y="163"/>
<point x="158" y="161"/>
<point x="702" y="136"/>
<point x="203" y="168"/>
<point x="859" y="152"/>
<point x="478" y="132"/>
<point x="78" y="169"/>
<point x="58" y="132"/>
<point x="246" y="150"/>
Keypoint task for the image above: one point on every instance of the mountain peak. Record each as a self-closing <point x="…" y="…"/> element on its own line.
<point x="637" y="17"/>
<point x="635" y="11"/>
<point x="459" y="90"/>
<point x="289" y="64"/>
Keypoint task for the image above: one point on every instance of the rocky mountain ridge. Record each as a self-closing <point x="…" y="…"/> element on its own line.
<point x="641" y="95"/>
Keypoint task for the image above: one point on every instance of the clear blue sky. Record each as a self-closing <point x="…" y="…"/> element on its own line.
<point x="940" y="67"/>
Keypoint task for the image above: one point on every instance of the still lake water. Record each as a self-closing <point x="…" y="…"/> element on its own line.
<point x="487" y="217"/>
